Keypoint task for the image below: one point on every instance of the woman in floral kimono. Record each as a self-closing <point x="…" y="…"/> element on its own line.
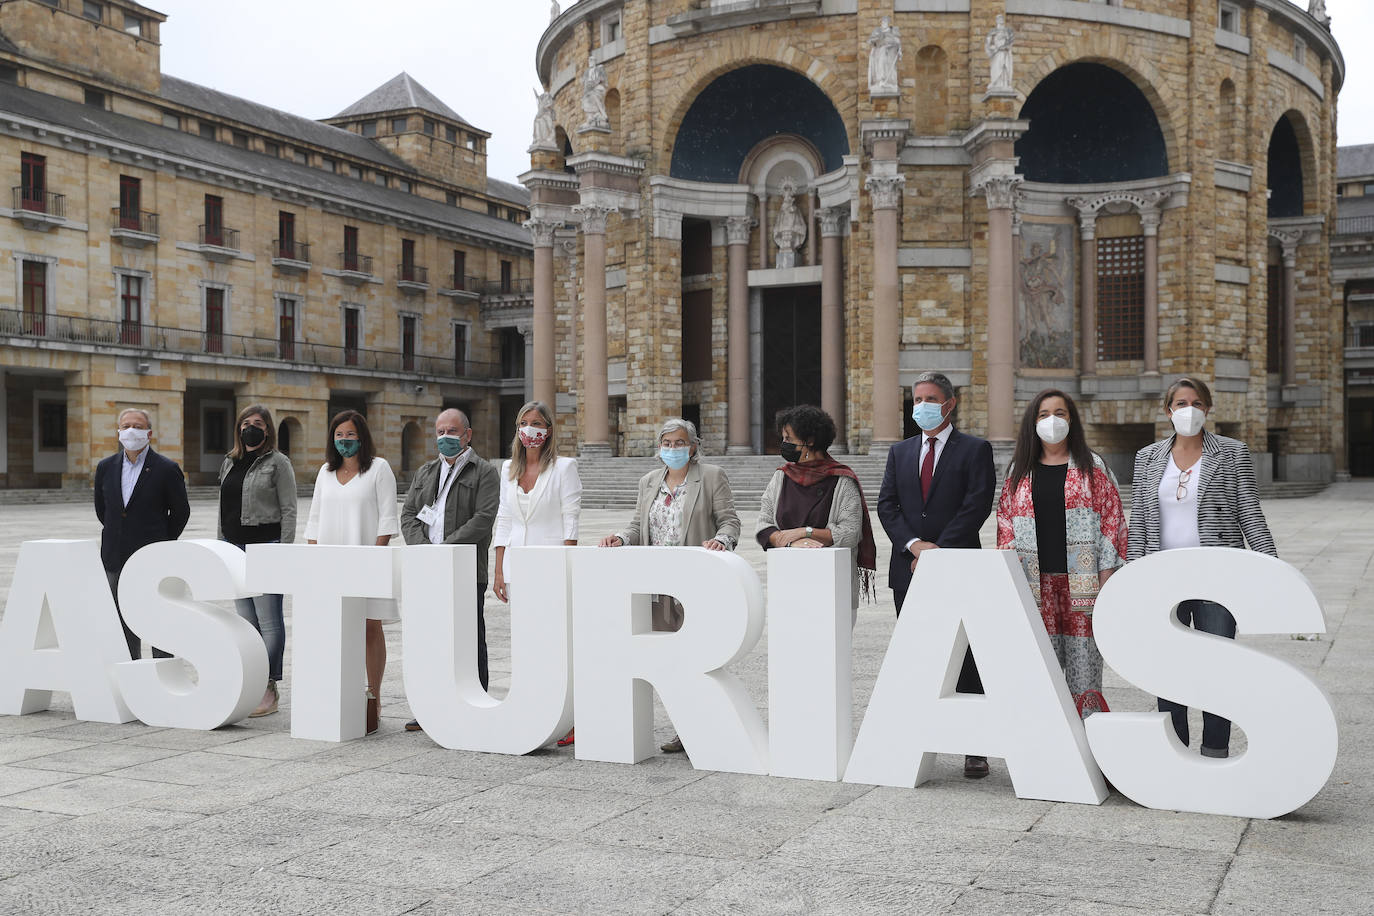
<point x="1061" y="512"/>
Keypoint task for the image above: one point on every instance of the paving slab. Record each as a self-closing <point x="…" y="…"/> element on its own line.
<point x="533" y="811"/>
<point x="373" y="793"/>
<point x="87" y="794"/>
<point x="78" y="838"/>
<point x="776" y="890"/>
<point x="722" y="831"/>
<point x="1260" y="884"/>
<point x="105" y="757"/>
<point x="252" y="837"/>
<point x="271" y="893"/>
<point x="1120" y="820"/>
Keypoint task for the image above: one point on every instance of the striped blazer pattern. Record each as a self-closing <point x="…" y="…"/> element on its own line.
<point x="1228" y="511"/>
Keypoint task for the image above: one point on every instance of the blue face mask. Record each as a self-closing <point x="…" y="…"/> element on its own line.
<point x="347" y="447"/>
<point x="675" y="458"/>
<point x="928" y="415"/>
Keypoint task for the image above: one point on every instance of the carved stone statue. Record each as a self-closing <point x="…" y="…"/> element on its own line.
<point x="884" y="51"/>
<point x="998" y="46"/>
<point x="790" y="231"/>
<point x="1317" y="10"/>
<point x="554" y="11"/>
<point x="544" y="123"/>
<point x="594" y="97"/>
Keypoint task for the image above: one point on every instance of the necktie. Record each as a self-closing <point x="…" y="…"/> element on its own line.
<point x="928" y="468"/>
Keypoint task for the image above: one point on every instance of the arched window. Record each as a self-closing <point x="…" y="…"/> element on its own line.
<point x="1227" y="147"/>
<point x="932" y="91"/>
<point x="1285" y="171"/>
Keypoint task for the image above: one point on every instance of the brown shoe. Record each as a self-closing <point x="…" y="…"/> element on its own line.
<point x="414" y="726"/>
<point x="672" y="747"/>
<point x="374" y="712"/>
<point x="269" y="702"/>
<point x="975" y="767"/>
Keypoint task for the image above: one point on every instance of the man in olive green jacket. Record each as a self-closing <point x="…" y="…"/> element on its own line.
<point x="453" y="500"/>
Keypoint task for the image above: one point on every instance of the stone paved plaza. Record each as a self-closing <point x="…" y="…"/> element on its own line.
<point x="124" y="818"/>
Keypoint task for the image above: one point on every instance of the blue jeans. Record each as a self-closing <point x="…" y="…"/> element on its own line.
<point x="264" y="612"/>
<point x="1208" y="617"/>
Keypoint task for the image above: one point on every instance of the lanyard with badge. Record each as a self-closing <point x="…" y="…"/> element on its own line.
<point x="429" y="515"/>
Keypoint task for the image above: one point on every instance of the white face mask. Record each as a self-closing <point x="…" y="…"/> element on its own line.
<point x="1188" y="421"/>
<point x="1052" y="430"/>
<point x="134" y="439"/>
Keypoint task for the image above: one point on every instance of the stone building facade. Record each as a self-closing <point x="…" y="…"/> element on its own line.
<point x="749" y="204"/>
<point x="1352" y="281"/>
<point x="170" y="247"/>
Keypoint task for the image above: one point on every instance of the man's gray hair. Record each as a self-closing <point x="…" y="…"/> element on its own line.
<point x="939" y="380"/>
<point x="128" y="410"/>
<point x="673" y="424"/>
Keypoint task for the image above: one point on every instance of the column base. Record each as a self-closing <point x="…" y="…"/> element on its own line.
<point x="739" y="450"/>
<point x="1002" y="452"/>
<point x="594" y="450"/>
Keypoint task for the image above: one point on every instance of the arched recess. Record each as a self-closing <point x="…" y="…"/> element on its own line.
<point x="1090" y="123"/>
<point x="291" y="443"/>
<point x="412" y="448"/>
<point x="743" y="107"/>
<point x="1227" y="128"/>
<point x="560" y="137"/>
<point x="1291" y="166"/>
<point x="932" y="97"/>
<point x="613" y="115"/>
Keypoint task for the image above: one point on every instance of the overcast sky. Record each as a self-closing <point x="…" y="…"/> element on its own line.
<point x="317" y="57"/>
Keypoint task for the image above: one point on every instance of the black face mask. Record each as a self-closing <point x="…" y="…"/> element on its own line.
<point x="253" y="436"/>
<point x="791" y="451"/>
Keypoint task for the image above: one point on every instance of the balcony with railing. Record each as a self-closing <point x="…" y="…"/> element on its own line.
<point x="511" y="287"/>
<point x="290" y="255"/>
<point x="99" y="334"/>
<point x="135" y="228"/>
<point x="412" y="278"/>
<point x="39" y="209"/>
<point x="1355" y="225"/>
<point x="1359" y="337"/>
<point x="460" y="286"/>
<point x="218" y="243"/>
<point x="355" y="268"/>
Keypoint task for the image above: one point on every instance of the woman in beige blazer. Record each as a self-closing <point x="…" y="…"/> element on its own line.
<point x="684" y="503"/>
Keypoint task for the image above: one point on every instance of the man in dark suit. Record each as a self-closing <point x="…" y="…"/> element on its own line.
<point x="140" y="498"/>
<point x="453" y="500"/>
<point x="937" y="491"/>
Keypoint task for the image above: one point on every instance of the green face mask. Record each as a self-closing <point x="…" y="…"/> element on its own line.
<point x="347" y="447"/>
<point x="451" y="445"/>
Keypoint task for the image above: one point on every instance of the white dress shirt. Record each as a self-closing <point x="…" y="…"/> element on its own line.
<point x="941" y="439"/>
<point x="448" y="472"/>
<point x="128" y="477"/>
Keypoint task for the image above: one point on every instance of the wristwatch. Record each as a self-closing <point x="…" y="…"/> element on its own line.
<point x="810" y="531"/>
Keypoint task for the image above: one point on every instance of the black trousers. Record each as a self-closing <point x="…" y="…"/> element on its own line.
<point x="482" y="673"/>
<point x="969" y="681"/>
<point x="130" y="637"/>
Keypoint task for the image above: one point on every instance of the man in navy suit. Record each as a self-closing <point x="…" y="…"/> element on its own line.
<point x="140" y="498"/>
<point x="937" y="492"/>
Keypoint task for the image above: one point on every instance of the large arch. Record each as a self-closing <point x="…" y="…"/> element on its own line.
<point x="1291" y="164"/>
<point x="1089" y="124"/>
<point x="746" y="106"/>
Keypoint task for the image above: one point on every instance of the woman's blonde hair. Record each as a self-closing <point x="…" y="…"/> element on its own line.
<point x="547" y="454"/>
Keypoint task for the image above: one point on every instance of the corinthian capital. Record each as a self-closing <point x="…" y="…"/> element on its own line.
<point x="737" y="230"/>
<point x="833" y="220"/>
<point x="542" y="231"/>
<point x="1000" y="191"/>
<point x="886" y="190"/>
<point x="593" y="218"/>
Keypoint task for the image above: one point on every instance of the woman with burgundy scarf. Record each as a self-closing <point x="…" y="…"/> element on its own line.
<point x="813" y="500"/>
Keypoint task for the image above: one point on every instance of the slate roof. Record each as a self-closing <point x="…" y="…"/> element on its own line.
<point x="397" y="93"/>
<point x="516" y="194"/>
<point x="231" y="107"/>
<point x="1355" y="161"/>
<point x="98" y="122"/>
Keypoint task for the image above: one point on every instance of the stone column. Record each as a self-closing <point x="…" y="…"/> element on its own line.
<point x="1149" y="224"/>
<point x="595" y="438"/>
<point x="1290" y="313"/>
<point x="1087" y="315"/>
<point x="737" y="230"/>
<point x="526" y="331"/>
<point x="885" y="190"/>
<point x="1000" y="193"/>
<point x="833" y="220"/>
<point x="763" y="231"/>
<point x="540" y="371"/>
<point x="810" y="228"/>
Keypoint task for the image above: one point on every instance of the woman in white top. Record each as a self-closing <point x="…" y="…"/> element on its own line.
<point x="355" y="505"/>
<point x="541" y="496"/>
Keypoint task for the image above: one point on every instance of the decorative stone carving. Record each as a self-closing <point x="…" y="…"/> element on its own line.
<point x="594" y="98"/>
<point x="1317" y="10"/>
<point x="1288" y="240"/>
<point x="833" y="220"/>
<point x="737" y="229"/>
<point x="544" y="127"/>
<point x="593" y="217"/>
<point x="998" y="47"/>
<point x="884" y="51"/>
<point x="886" y="190"/>
<point x="542" y="230"/>
<point x="790" y="231"/>
<point x="1045" y="296"/>
<point x="1000" y="191"/>
<point x="1146" y="203"/>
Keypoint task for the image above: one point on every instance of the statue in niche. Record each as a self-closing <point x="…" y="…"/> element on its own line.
<point x="544" y="122"/>
<point x="998" y="47"/>
<point x="790" y="231"/>
<point x="884" y="51"/>
<point x="594" y="97"/>
<point x="1046" y="299"/>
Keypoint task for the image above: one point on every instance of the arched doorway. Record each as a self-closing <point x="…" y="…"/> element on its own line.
<point x="412" y="448"/>
<point x="291" y="443"/>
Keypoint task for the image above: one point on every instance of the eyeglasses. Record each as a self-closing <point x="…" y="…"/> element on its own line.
<point x="1183" y="479"/>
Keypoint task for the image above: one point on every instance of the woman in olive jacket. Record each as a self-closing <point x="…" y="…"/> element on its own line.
<point x="257" y="505"/>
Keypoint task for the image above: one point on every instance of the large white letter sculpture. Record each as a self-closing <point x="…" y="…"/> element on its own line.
<point x="810" y="688"/>
<point x="1288" y="719"/>
<point x="618" y="657"/>
<point x="61" y="632"/>
<point x="329" y="588"/>
<point x="158" y="591"/>
<point x="978" y="597"/>
<point x="439" y="640"/>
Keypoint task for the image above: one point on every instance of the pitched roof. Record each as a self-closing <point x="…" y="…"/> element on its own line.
<point x="514" y="193"/>
<point x="233" y="108"/>
<point x="398" y="93"/>
<point x="1355" y="161"/>
<point x="75" y="116"/>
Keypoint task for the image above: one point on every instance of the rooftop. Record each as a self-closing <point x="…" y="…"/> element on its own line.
<point x="398" y="93"/>
<point x="1355" y="161"/>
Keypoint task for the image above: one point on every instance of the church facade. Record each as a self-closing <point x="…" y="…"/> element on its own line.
<point x="736" y="207"/>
